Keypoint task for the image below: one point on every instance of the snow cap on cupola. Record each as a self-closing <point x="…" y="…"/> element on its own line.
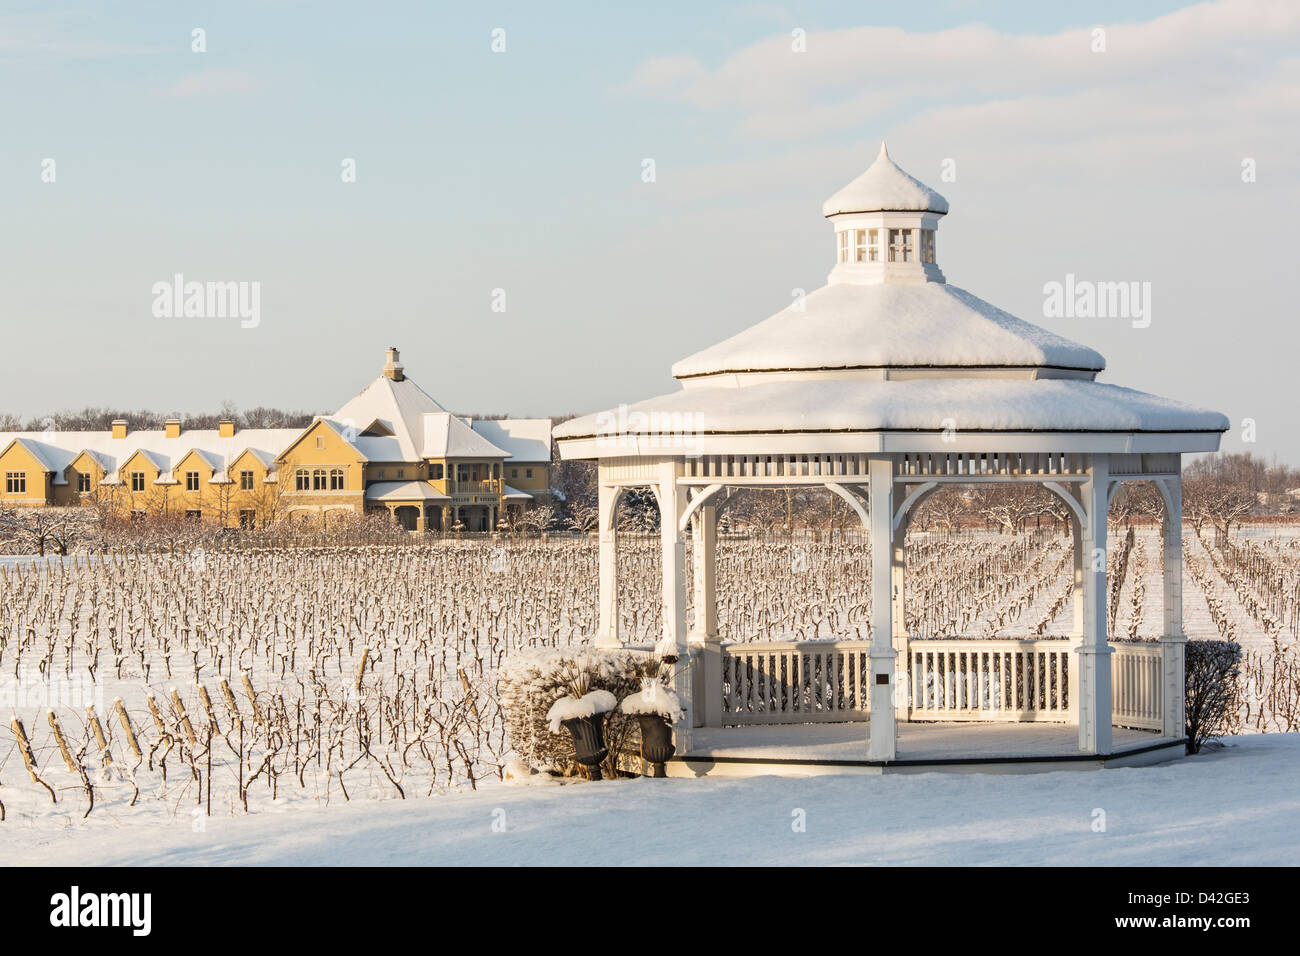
<point x="884" y="187"/>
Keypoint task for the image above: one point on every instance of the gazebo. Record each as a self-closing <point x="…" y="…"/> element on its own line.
<point x="884" y="385"/>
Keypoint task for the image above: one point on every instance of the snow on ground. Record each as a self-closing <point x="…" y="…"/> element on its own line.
<point x="1238" y="805"/>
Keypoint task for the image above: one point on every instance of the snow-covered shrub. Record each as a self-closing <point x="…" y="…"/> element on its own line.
<point x="533" y="680"/>
<point x="1212" y="670"/>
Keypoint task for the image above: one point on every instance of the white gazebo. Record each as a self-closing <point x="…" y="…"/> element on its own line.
<point x="884" y="385"/>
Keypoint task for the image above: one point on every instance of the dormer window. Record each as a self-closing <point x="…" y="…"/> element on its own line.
<point x="844" y="245"/>
<point x="867" y="247"/>
<point x="900" y="245"/>
<point x="927" y="245"/>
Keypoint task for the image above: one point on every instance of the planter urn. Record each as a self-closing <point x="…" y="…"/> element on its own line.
<point x="656" y="741"/>
<point x="588" y="735"/>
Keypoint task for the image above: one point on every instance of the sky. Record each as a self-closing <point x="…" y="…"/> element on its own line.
<point x="516" y="177"/>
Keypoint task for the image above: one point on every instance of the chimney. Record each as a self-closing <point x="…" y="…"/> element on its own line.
<point x="119" y="428"/>
<point x="226" y="428"/>
<point x="172" y="428"/>
<point x="393" y="367"/>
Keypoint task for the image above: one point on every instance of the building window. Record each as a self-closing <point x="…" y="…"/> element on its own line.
<point x="844" y="245"/>
<point x="514" y="472"/>
<point x="336" y="479"/>
<point x="83" y="483"/>
<point x="302" y="480"/>
<point x="462" y="472"/>
<point x="528" y="473"/>
<point x="16" y="482"/>
<point x="379" y="473"/>
<point x="318" y="480"/>
<point x="191" y="481"/>
<point x="900" y="245"/>
<point x="137" y="481"/>
<point x="435" y="472"/>
<point x="192" y="514"/>
<point x="927" y="245"/>
<point x="245" y="481"/>
<point x="401" y="473"/>
<point x="320" y="442"/>
<point x="247" y="517"/>
<point x="868" y="245"/>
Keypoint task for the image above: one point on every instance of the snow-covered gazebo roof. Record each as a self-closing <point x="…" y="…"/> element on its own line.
<point x="888" y="357"/>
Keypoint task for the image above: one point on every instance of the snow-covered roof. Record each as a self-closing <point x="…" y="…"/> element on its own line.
<point x="403" y="491"/>
<point x="888" y="347"/>
<point x="516" y="494"/>
<point x="885" y="187"/>
<point x="47" y="457"/>
<point x="523" y="439"/>
<point x="927" y="325"/>
<point x="932" y="404"/>
<point x="446" y="436"/>
<point x="401" y="406"/>
<point x="59" y="449"/>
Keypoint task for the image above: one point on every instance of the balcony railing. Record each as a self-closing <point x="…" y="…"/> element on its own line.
<point x="491" y="486"/>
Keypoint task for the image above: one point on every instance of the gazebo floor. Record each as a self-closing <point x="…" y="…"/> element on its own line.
<point x="806" y="749"/>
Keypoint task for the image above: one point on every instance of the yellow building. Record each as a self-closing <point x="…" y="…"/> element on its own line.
<point x="391" y="449"/>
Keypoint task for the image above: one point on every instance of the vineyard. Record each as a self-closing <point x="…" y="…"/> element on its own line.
<point x="217" y="682"/>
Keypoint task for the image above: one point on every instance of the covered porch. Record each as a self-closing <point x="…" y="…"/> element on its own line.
<point x="416" y="505"/>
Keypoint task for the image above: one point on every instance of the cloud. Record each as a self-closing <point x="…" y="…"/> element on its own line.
<point x="852" y="76"/>
<point x="213" y="83"/>
<point x="1180" y="99"/>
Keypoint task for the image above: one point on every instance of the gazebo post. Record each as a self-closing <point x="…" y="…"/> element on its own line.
<point x="1094" y="651"/>
<point x="899" y="635"/>
<point x="607" y="531"/>
<point x="704" y="633"/>
<point x="1172" y="640"/>
<point x="672" y="507"/>
<point x="882" y="741"/>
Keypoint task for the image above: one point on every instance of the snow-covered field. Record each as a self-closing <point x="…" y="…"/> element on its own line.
<point x="371" y="676"/>
<point x="1238" y="805"/>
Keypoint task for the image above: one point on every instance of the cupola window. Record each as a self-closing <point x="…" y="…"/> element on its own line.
<point x="900" y="245"/>
<point x="927" y="245"/>
<point x="844" y="245"/>
<point x="868" y="245"/>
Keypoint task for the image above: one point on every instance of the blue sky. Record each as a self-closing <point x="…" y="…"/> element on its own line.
<point x="522" y="171"/>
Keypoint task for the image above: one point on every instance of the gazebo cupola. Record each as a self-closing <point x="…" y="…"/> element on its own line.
<point x="885" y="223"/>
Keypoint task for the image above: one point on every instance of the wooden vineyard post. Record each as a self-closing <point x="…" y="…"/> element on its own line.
<point x="185" y="719"/>
<point x="127" y="729"/>
<point x="29" y="759"/>
<point x="63" y="744"/>
<point x="98" y="730"/>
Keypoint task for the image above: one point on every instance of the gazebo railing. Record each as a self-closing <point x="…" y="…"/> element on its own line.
<point x="795" y="682"/>
<point x="1136" y="685"/>
<point x="991" y="680"/>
